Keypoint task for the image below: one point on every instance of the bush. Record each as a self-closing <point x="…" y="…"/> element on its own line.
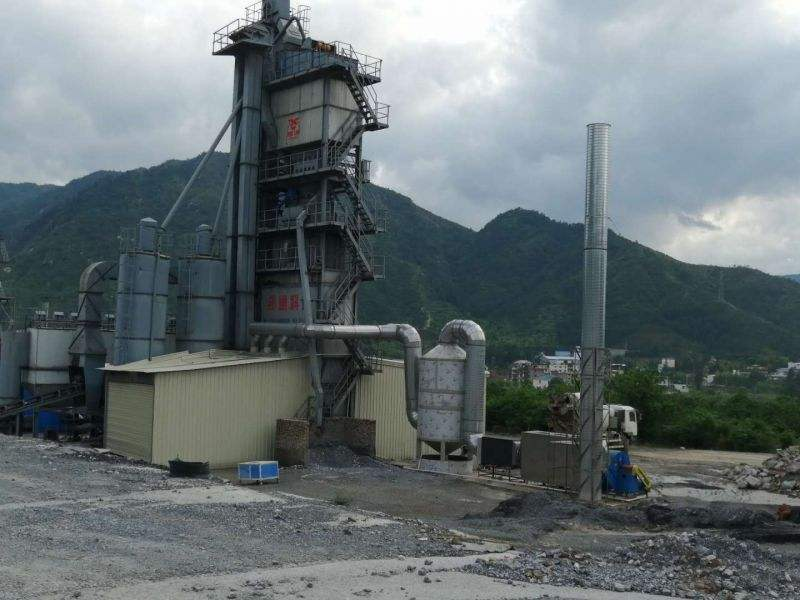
<point x="740" y="421"/>
<point x="512" y="408"/>
<point x="705" y="419"/>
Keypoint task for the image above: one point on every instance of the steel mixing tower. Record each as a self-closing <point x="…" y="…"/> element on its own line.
<point x="299" y="223"/>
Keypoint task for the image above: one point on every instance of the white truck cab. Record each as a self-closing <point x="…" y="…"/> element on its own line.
<point x="624" y="420"/>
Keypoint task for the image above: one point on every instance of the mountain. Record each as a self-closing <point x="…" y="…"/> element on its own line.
<point x="795" y="277"/>
<point x="520" y="276"/>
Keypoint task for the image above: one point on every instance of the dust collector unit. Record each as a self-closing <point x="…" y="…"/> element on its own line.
<point x="441" y="396"/>
<point x="142" y="292"/>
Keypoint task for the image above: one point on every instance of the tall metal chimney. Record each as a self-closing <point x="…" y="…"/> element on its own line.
<point x="593" y="335"/>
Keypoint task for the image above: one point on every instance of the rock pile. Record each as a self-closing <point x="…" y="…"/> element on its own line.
<point x="779" y="473"/>
<point x="683" y="565"/>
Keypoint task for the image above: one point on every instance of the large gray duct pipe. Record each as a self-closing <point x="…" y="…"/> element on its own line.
<point x="470" y="336"/>
<point x="405" y="334"/>
<point x="89" y="346"/>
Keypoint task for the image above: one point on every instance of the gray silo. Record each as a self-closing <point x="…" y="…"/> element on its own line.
<point x="49" y="360"/>
<point x="142" y="292"/>
<point x="13" y="356"/>
<point x="201" y="295"/>
<point x="593" y="352"/>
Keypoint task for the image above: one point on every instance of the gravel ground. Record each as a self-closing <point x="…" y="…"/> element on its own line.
<point x="81" y="523"/>
<point x="74" y="520"/>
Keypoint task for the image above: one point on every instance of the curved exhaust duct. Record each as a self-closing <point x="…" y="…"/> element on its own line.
<point x="405" y="334"/>
<point x="469" y="335"/>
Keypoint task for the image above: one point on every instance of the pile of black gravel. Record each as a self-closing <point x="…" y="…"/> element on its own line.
<point x="684" y="565"/>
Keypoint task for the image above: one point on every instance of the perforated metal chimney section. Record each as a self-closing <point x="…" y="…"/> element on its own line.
<point x="595" y="242"/>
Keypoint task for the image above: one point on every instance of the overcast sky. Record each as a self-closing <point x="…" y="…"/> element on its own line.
<point x="489" y="105"/>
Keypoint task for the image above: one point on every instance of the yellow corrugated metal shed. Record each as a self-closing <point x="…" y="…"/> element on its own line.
<point x="381" y="397"/>
<point x="201" y="411"/>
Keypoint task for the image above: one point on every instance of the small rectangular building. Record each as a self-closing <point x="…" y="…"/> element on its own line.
<point x="222" y="407"/>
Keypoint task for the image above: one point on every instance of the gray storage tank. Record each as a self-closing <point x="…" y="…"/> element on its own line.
<point x="142" y="292"/>
<point x="49" y="359"/>
<point x="13" y="356"/>
<point x="201" y="295"/>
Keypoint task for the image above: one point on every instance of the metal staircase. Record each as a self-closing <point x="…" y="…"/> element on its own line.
<point x="375" y="113"/>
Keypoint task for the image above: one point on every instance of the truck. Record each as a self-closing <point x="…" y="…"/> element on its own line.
<point x="620" y="422"/>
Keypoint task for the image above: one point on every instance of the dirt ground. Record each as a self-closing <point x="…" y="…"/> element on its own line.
<point x="76" y="523"/>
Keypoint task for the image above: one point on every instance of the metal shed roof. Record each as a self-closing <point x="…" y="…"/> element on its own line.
<point x="184" y="361"/>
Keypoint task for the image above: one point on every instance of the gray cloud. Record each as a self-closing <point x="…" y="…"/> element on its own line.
<point x="698" y="222"/>
<point x="702" y="98"/>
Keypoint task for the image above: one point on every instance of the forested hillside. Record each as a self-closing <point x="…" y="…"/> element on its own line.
<point x="519" y="276"/>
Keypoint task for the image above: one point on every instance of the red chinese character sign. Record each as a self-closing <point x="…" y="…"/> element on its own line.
<point x="293" y="130"/>
<point x="285" y="305"/>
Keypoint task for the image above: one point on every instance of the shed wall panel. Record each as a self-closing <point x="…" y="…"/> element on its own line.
<point x="381" y="397"/>
<point x="129" y="419"/>
<point x="226" y="415"/>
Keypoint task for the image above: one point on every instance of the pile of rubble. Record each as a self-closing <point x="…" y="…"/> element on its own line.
<point x="779" y="473"/>
<point x="683" y="565"/>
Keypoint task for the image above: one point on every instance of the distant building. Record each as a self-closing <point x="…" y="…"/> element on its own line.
<point x="666" y="363"/>
<point x="783" y="372"/>
<point x="521" y="371"/>
<point x="674" y="387"/>
<point x="618" y="368"/>
<point x="562" y="362"/>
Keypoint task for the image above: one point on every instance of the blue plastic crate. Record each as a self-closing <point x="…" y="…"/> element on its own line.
<point x="259" y="471"/>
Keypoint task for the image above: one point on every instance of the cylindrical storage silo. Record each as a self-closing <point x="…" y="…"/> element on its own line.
<point x="49" y="358"/>
<point x="201" y="297"/>
<point x="13" y="356"/>
<point x="142" y="292"/>
<point x="441" y="396"/>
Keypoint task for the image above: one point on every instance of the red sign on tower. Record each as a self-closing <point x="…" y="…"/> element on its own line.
<point x="293" y="131"/>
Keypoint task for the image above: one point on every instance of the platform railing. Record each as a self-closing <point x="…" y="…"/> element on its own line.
<point x="286" y="259"/>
